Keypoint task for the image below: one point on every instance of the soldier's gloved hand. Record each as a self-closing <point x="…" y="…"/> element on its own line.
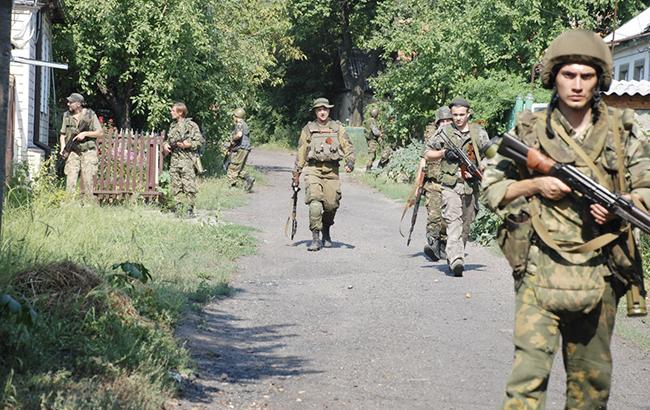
<point x="349" y="166"/>
<point x="295" y="179"/>
<point x="450" y="155"/>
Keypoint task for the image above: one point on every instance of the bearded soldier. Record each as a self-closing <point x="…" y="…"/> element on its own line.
<point x="322" y="145"/>
<point x="239" y="148"/>
<point x="373" y="135"/>
<point x="184" y="141"/>
<point x="436" y="230"/>
<point x="567" y="286"/>
<point x="79" y="129"/>
<point x="460" y="189"/>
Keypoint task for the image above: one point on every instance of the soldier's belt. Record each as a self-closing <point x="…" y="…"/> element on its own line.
<point x="322" y="163"/>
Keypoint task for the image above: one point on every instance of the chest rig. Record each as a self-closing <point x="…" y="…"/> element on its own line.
<point x="324" y="143"/>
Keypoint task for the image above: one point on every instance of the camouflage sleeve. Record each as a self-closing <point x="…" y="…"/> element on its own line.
<point x="301" y="156"/>
<point x="346" y="146"/>
<point x="500" y="172"/>
<point x="374" y="129"/>
<point x="483" y="139"/>
<point x="638" y="165"/>
<point x="64" y="123"/>
<point x="94" y="123"/>
<point x="195" y="138"/>
<point x="435" y="142"/>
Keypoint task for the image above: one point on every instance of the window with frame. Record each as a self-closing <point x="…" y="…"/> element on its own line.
<point x="623" y="72"/>
<point x="639" y="70"/>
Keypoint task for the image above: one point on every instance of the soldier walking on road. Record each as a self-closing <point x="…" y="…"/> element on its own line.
<point x="184" y="141"/>
<point x="565" y="287"/>
<point x="79" y="130"/>
<point x="459" y="188"/>
<point x="239" y="148"/>
<point x="436" y="229"/>
<point x="322" y="145"/>
<point x="373" y="136"/>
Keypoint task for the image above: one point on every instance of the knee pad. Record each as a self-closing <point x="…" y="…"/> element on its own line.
<point x="315" y="208"/>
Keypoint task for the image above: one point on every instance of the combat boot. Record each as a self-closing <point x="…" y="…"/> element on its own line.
<point x="248" y="185"/>
<point x="432" y="248"/>
<point x="327" y="239"/>
<point x="315" y="244"/>
<point x="457" y="268"/>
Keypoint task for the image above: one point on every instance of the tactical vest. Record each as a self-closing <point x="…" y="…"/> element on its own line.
<point x="449" y="171"/>
<point x="566" y="226"/>
<point x="324" y="142"/>
<point x="74" y="127"/>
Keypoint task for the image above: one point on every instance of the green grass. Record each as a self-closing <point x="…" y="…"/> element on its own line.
<point x="112" y="347"/>
<point x="393" y="190"/>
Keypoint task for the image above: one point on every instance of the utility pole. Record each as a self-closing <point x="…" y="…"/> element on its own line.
<point x="5" y="57"/>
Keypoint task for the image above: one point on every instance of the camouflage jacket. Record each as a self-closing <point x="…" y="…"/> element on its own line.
<point x="87" y="121"/>
<point x="322" y="147"/>
<point x="184" y="130"/>
<point x="450" y="174"/>
<point x="568" y="221"/>
<point x="372" y="129"/>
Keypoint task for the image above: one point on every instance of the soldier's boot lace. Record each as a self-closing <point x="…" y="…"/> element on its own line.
<point x="327" y="239"/>
<point x="248" y="186"/>
<point x="315" y="244"/>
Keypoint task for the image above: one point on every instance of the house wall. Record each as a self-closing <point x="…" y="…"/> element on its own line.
<point x="628" y="55"/>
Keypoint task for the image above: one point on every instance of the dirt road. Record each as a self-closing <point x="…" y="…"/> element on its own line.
<point x="368" y="324"/>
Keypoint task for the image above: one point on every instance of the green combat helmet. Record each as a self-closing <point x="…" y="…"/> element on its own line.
<point x="577" y="47"/>
<point x="239" y="113"/>
<point x="443" y="113"/>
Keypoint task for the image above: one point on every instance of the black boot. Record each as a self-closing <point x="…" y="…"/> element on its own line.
<point x="432" y="248"/>
<point x="248" y="185"/>
<point x="327" y="239"/>
<point x="315" y="244"/>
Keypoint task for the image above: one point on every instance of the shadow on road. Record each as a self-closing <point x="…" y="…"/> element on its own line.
<point x="227" y="351"/>
<point x="335" y="245"/>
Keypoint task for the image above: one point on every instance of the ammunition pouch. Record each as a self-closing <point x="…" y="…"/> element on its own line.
<point x="514" y="237"/>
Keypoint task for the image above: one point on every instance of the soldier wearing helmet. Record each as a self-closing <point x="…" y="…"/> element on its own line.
<point x="436" y="236"/>
<point x="239" y="147"/>
<point x="566" y="286"/>
<point x="373" y="137"/>
<point x="459" y="189"/>
<point x="322" y="145"/>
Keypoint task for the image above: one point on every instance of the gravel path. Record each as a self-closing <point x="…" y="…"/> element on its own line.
<point x="368" y="324"/>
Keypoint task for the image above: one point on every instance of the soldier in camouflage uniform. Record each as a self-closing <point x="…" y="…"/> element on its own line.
<point x="373" y="135"/>
<point x="80" y="127"/>
<point x="459" y="190"/>
<point x="184" y="140"/>
<point x="239" y="148"/>
<point x="436" y="229"/>
<point x="563" y="291"/>
<point x="322" y="145"/>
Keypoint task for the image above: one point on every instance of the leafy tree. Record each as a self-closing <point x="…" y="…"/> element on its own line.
<point x="136" y="56"/>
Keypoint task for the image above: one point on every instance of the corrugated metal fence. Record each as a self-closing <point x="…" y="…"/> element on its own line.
<point x="130" y="164"/>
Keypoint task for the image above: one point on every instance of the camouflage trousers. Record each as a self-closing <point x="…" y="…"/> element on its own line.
<point x="586" y="351"/>
<point x="385" y="156"/>
<point x="433" y="202"/>
<point x="235" y="172"/>
<point x="323" y="196"/>
<point x="183" y="183"/>
<point x="458" y="212"/>
<point x="373" y="147"/>
<point x="85" y="163"/>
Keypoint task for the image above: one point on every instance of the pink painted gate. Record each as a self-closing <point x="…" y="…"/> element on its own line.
<point x="130" y="164"/>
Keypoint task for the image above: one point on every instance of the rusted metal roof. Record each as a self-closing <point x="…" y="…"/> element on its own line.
<point x="629" y="88"/>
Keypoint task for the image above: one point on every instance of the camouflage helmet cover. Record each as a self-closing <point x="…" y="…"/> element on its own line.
<point x="577" y="47"/>
<point x="443" y="113"/>
<point x="239" y="113"/>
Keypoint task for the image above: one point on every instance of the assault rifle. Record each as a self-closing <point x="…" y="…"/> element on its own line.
<point x="465" y="161"/>
<point x="70" y="146"/>
<point x="623" y="208"/>
<point x="227" y="155"/>
<point x="415" y="202"/>
<point x="292" y="217"/>
<point x="591" y="190"/>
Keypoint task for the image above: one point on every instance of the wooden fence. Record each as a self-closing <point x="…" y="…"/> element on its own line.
<point x="130" y="164"/>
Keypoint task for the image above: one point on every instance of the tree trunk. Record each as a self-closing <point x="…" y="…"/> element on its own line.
<point x="5" y="55"/>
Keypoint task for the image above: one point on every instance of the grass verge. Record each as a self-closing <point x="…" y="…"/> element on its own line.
<point x="103" y="337"/>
